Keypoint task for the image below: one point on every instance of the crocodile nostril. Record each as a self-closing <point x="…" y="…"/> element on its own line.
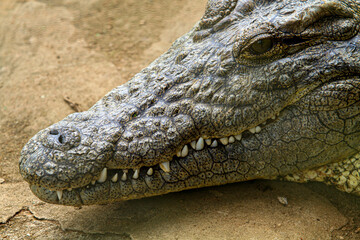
<point x="54" y="132"/>
<point x="57" y="133"/>
<point x="61" y="140"/>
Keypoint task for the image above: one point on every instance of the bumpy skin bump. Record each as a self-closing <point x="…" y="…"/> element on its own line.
<point x="271" y="87"/>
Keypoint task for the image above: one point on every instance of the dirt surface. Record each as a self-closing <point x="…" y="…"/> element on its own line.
<point x="80" y="50"/>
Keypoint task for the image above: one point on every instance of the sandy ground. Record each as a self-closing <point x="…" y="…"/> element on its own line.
<point x="51" y="50"/>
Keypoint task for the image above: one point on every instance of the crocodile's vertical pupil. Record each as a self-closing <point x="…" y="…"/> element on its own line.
<point x="261" y="46"/>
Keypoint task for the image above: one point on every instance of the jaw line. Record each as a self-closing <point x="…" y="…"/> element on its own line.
<point x="115" y="175"/>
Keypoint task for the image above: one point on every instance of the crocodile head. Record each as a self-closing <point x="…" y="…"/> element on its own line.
<point x="257" y="89"/>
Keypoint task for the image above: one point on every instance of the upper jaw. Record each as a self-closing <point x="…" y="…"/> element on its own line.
<point x="31" y="163"/>
<point x="167" y="170"/>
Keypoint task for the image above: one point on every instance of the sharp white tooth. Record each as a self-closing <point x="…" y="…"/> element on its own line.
<point x="238" y="137"/>
<point x="252" y="130"/>
<point x="124" y="176"/>
<point x="165" y="166"/>
<point x="231" y="139"/>
<point x="136" y="174"/>
<point x="185" y="151"/>
<point x="208" y="141"/>
<point x="148" y="181"/>
<point x="193" y="144"/>
<point x="257" y="129"/>
<point x="59" y="194"/>
<point x="178" y="153"/>
<point x="69" y="189"/>
<point x="224" y="141"/>
<point x="199" y="144"/>
<point x="93" y="182"/>
<point x="115" y="178"/>
<point x="103" y="176"/>
<point x="214" y="143"/>
<point x="150" y="172"/>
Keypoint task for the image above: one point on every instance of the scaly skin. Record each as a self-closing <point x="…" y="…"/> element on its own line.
<point x="272" y="86"/>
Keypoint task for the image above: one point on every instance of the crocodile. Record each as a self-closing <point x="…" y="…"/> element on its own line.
<point x="258" y="89"/>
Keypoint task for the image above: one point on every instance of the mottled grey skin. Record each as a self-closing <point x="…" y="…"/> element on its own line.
<point x="216" y="81"/>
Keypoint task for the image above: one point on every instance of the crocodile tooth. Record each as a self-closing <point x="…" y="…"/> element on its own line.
<point x="148" y="181"/>
<point x="115" y="178"/>
<point x="59" y="194"/>
<point x="208" y="141"/>
<point x="93" y="182"/>
<point x="150" y="172"/>
<point x="178" y="154"/>
<point x="103" y="176"/>
<point x="257" y="129"/>
<point x="193" y="144"/>
<point x="165" y="166"/>
<point x="252" y="130"/>
<point x="238" y="137"/>
<point x="124" y="176"/>
<point x="231" y="139"/>
<point x="199" y="144"/>
<point x="214" y="144"/>
<point x="136" y="174"/>
<point x="185" y="151"/>
<point x="69" y="189"/>
<point x="224" y="141"/>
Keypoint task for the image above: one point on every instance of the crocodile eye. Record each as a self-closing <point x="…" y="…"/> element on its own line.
<point x="261" y="46"/>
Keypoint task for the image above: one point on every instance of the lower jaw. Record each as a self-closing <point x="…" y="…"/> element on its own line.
<point x="344" y="175"/>
<point x="108" y="192"/>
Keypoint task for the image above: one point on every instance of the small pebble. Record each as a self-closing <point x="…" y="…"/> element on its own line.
<point x="283" y="200"/>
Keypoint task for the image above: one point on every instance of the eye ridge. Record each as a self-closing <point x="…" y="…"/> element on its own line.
<point x="262" y="46"/>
